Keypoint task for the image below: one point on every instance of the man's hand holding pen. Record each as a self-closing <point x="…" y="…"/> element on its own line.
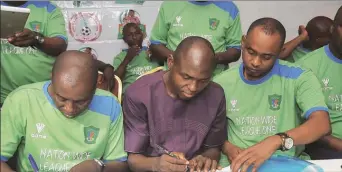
<point x="167" y="163"/>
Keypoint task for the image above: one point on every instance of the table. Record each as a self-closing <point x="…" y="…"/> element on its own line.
<point x="333" y="165"/>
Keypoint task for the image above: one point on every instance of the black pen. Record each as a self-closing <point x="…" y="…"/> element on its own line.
<point x="165" y="151"/>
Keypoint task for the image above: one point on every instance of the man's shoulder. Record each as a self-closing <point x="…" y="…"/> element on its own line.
<point x="121" y="55"/>
<point x="33" y="89"/>
<point x="145" y="83"/>
<point x="289" y="70"/>
<point x="49" y="6"/>
<point x="105" y="103"/>
<point x="314" y="56"/>
<point x="169" y="5"/>
<point x="214" y="89"/>
<point x="228" y="7"/>
<point x="229" y="75"/>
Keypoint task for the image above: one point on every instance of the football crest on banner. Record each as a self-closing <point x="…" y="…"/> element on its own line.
<point x="85" y="26"/>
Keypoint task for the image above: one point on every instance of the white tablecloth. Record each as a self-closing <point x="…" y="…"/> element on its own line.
<point x="333" y="165"/>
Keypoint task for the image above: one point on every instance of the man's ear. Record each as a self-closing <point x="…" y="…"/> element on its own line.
<point x="332" y="27"/>
<point x="243" y="40"/>
<point x="170" y="61"/>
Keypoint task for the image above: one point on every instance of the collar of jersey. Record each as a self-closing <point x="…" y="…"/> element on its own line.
<point x="261" y="80"/>
<point x="144" y="48"/>
<point x="45" y="89"/>
<point x="201" y="3"/>
<point x="331" y="55"/>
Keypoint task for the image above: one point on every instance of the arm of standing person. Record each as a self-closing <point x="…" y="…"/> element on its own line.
<point x="55" y="39"/>
<point x="233" y="36"/>
<point x="159" y="36"/>
<point x="294" y="43"/>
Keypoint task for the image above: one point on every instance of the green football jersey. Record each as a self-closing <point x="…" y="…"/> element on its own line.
<point x="25" y="65"/>
<point x="261" y="108"/>
<point x="218" y="22"/>
<point x="137" y="67"/>
<point x="31" y="122"/>
<point x="297" y="54"/>
<point x="328" y="70"/>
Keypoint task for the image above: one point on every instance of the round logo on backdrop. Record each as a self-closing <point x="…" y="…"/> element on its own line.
<point x="90" y="51"/>
<point x="129" y="16"/>
<point x="85" y="26"/>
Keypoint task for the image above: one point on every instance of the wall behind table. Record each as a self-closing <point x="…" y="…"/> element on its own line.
<point x="107" y="45"/>
<point x="290" y="13"/>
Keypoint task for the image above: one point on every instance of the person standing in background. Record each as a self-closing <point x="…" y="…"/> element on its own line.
<point x="326" y="63"/>
<point x="27" y="57"/>
<point x="315" y="35"/>
<point x="218" y="22"/>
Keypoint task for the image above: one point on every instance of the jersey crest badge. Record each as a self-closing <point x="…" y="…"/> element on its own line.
<point x="90" y="134"/>
<point x="213" y="23"/>
<point x="274" y="101"/>
<point x="36" y="26"/>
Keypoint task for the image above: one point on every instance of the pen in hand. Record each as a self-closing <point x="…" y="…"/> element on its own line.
<point x="165" y="151"/>
<point x="33" y="163"/>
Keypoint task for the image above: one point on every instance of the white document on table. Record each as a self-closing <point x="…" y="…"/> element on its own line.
<point x="333" y="165"/>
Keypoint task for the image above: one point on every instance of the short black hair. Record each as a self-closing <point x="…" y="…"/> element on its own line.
<point x="192" y="41"/>
<point x="338" y="17"/>
<point x="270" y="26"/>
<point x="129" y="25"/>
<point x="187" y="43"/>
<point x="318" y="24"/>
<point x="81" y="61"/>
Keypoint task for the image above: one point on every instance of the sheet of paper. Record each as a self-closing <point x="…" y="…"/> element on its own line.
<point x="333" y="165"/>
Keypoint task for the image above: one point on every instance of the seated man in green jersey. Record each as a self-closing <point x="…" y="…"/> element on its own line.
<point x="264" y="95"/>
<point x="66" y="124"/>
<point x="218" y="22"/>
<point x="315" y="35"/>
<point x="133" y="62"/>
<point x="326" y="63"/>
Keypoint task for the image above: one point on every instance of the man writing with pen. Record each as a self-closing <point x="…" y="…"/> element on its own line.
<point x="65" y="124"/>
<point x="175" y="119"/>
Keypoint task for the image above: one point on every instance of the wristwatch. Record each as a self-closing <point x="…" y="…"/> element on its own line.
<point x="101" y="164"/>
<point x="287" y="142"/>
<point x="39" y="38"/>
